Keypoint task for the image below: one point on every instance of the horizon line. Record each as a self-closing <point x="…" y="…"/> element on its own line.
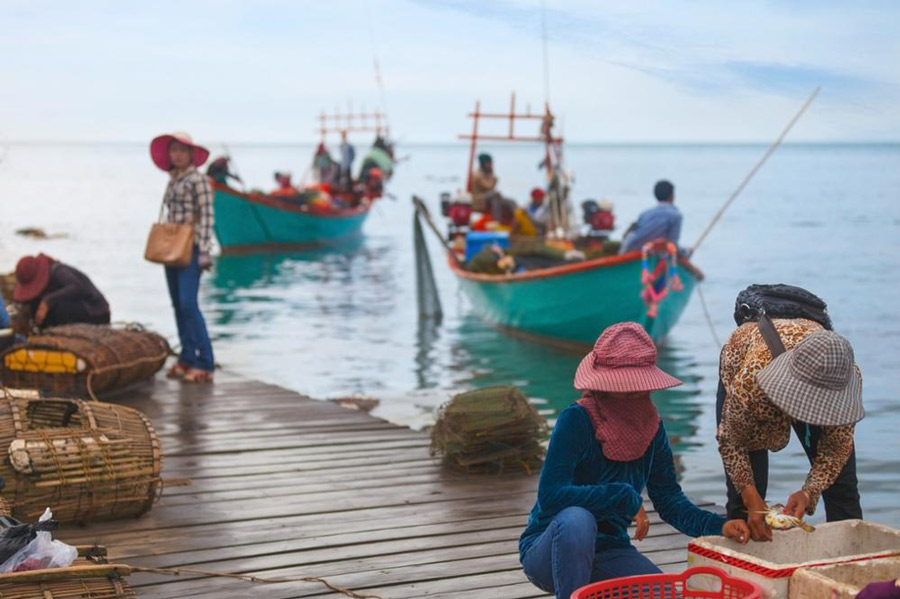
<point x="464" y="143"/>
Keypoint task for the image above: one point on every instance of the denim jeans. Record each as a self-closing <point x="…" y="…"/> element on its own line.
<point x="841" y="499"/>
<point x="184" y="287"/>
<point x="563" y="559"/>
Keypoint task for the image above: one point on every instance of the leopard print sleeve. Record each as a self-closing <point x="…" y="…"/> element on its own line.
<point x="731" y="430"/>
<point x="835" y="446"/>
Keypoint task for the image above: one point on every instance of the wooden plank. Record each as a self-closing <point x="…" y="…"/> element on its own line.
<point x="283" y="486"/>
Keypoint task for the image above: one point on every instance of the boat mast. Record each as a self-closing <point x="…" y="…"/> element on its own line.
<point x="474" y="143"/>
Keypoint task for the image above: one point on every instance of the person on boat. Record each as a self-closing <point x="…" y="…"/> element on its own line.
<point x="325" y="169"/>
<point x="188" y="199"/>
<point x="538" y="211"/>
<point x="604" y="451"/>
<point x="484" y="183"/>
<point x="219" y="171"/>
<point x="57" y="294"/>
<point x="379" y="156"/>
<point x="814" y="388"/>
<point x="285" y="186"/>
<point x="660" y="222"/>
<point x="348" y="154"/>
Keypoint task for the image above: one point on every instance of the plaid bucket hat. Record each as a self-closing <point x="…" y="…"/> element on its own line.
<point x="623" y="361"/>
<point x="816" y="382"/>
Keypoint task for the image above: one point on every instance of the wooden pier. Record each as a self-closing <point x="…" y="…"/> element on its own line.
<point x="281" y="485"/>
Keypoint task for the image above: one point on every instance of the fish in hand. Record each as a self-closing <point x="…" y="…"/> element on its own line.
<point x="778" y="520"/>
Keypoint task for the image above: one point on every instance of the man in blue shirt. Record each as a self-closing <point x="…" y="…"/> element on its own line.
<point x="661" y="222"/>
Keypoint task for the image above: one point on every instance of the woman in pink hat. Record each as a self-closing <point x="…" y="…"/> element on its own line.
<point x="604" y="451"/>
<point x="188" y="199"/>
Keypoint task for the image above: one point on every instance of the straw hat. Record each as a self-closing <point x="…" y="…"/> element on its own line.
<point x="623" y="360"/>
<point x="32" y="277"/>
<point x="159" y="149"/>
<point x="817" y="382"/>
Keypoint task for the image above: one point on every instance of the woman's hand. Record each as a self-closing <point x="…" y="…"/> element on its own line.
<point x="797" y="504"/>
<point x="41" y="313"/>
<point x="204" y="261"/>
<point x="643" y="524"/>
<point x="756" y="514"/>
<point x="737" y="530"/>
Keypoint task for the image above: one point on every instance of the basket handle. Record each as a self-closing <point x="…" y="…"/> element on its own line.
<point x="719" y="573"/>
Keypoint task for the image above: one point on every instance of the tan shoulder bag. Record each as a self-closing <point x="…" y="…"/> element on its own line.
<point x="171" y="244"/>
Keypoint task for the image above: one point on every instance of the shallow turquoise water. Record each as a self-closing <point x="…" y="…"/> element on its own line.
<point x="344" y="321"/>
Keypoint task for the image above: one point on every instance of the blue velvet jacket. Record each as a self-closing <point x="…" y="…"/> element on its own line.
<point x="576" y="473"/>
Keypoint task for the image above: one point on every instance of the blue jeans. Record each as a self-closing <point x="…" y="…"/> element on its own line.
<point x="184" y="287"/>
<point x="563" y="559"/>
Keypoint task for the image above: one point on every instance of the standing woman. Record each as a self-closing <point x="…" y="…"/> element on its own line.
<point x="188" y="199"/>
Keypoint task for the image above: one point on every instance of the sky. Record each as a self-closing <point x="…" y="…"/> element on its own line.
<point x="619" y="70"/>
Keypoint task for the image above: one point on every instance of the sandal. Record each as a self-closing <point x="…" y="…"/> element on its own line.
<point x="177" y="371"/>
<point x="195" y="375"/>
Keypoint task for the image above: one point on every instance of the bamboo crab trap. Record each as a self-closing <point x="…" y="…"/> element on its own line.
<point x="81" y="360"/>
<point x="491" y="429"/>
<point x="89" y="577"/>
<point x="84" y="460"/>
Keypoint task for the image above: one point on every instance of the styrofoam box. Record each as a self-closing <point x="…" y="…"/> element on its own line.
<point x="842" y="581"/>
<point x="771" y="564"/>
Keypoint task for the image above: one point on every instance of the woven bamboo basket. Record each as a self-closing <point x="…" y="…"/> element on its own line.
<point x="84" y="579"/>
<point x="84" y="460"/>
<point x="81" y="360"/>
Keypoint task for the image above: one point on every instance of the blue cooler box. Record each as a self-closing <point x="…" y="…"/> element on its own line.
<point x="476" y="240"/>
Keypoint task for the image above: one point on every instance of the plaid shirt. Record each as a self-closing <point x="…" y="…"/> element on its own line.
<point x="189" y="198"/>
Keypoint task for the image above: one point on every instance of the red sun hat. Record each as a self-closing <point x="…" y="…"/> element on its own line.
<point x="538" y="194"/>
<point x="32" y="277"/>
<point x="159" y="150"/>
<point x="623" y="361"/>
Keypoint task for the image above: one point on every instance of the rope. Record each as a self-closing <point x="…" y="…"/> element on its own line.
<point x="256" y="579"/>
<point x="706" y="314"/>
<point x="111" y="367"/>
<point x="545" y="51"/>
<point x="753" y="171"/>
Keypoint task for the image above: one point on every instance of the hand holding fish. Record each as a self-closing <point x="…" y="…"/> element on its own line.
<point x="797" y="504"/>
<point x="756" y="510"/>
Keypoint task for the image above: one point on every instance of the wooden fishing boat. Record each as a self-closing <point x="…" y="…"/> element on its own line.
<point x="575" y="302"/>
<point x="308" y="217"/>
<point x="570" y="300"/>
<point x="248" y="221"/>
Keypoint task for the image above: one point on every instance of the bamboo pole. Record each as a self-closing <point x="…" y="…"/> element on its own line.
<point x="754" y="170"/>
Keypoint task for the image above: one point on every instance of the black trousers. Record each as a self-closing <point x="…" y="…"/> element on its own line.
<point x="841" y="498"/>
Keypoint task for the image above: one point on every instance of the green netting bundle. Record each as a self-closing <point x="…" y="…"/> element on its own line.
<point x="489" y="430"/>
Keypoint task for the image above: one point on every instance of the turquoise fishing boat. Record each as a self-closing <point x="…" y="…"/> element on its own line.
<point x="249" y="222"/>
<point x="569" y="299"/>
<point x="575" y="302"/>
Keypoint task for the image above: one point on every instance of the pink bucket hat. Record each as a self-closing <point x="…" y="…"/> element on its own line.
<point x="623" y="361"/>
<point x="159" y="149"/>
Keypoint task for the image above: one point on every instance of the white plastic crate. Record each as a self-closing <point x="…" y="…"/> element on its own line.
<point x="842" y="581"/>
<point x="771" y="565"/>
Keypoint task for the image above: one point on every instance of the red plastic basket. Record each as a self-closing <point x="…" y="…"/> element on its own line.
<point x="670" y="586"/>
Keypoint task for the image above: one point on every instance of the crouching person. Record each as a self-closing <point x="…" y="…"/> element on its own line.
<point x="604" y="451"/>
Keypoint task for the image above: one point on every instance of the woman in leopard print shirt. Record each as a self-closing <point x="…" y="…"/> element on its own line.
<point x="750" y="422"/>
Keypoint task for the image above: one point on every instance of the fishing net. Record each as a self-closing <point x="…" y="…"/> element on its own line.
<point x="489" y="430"/>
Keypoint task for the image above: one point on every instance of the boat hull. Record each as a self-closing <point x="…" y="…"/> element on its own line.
<point x="250" y="222"/>
<point x="575" y="303"/>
